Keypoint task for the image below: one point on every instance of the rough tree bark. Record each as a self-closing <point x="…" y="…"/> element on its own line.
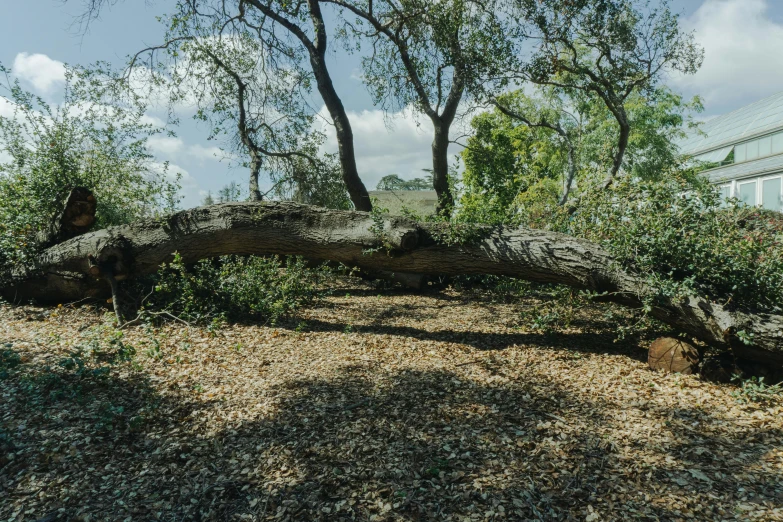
<point x="75" y="269"/>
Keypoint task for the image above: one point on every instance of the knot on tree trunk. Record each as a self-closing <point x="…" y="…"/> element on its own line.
<point x="400" y="239"/>
<point x="113" y="259"/>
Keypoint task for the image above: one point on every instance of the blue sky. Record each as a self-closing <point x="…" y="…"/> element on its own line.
<point x="743" y="40"/>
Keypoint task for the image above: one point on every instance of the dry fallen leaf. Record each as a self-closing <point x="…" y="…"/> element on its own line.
<point x="395" y="407"/>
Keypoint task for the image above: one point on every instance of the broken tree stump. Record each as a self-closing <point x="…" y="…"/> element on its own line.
<point x="76" y="218"/>
<point x="673" y="356"/>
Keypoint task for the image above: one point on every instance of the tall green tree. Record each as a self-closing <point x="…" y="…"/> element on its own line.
<point x="432" y="56"/>
<point x="289" y="35"/>
<point x="518" y="165"/>
<point x="605" y="49"/>
<point x="256" y="108"/>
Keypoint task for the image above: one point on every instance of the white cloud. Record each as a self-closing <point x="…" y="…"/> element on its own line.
<point x="6" y="108"/>
<point x="742" y="61"/>
<point x="357" y="74"/>
<point x="4" y="158"/>
<point x="40" y="70"/>
<point x="167" y="146"/>
<point x="171" y="171"/>
<point x="174" y="148"/>
<point x="148" y="119"/>
<point x="202" y="153"/>
<point x="399" y="143"/>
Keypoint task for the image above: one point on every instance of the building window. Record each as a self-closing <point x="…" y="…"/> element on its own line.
<point x="740" y="153"/>
<point x="725" y="194"/>
<point x="777" y="143"/>
<point x="760" y="148"/>
<point x="752" y="150"/>
<point x="772" y="194"/>
<point x="765" y="146"/>
<point x="747" y="193"/>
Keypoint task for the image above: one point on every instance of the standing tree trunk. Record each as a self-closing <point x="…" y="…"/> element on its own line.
<point x="622" y="145"/>
<point x="316" y="50"/>
<point x="255" y="169"/>
<point x="396" y="32"/>
<point x="70" y="270"/>
<point x="342" y="126"/>
<point x="440" y="167"/>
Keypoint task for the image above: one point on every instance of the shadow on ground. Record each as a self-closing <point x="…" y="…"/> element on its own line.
<point x="408" y="445"/>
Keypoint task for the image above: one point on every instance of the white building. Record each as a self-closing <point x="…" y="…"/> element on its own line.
<point x="743" y="152"/>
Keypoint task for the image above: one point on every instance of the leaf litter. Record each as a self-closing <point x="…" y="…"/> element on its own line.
<point x="434" y="406"/>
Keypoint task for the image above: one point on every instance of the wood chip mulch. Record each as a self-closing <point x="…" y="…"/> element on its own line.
<point x="438" y="406"/>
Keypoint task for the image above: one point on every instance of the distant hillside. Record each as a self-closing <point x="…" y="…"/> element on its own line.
<point x="421" y="202"/>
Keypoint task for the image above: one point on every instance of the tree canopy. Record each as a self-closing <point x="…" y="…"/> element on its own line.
<point x="395" y="182"/>
<point x="528" y="153"/>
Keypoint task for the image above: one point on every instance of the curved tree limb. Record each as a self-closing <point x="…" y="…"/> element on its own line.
<point x="66" y="271"/>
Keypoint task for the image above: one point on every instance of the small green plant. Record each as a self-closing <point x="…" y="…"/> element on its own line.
<point x="154" y="351"/>
<point x="555" y="310"/>
<point x="755" y="389"/>
<point x="215" y="325"/>
<point x="9" y="361"/>
<point x="213" y="291"/>
<point x="378" y="229"/>
<point x="458" y="231"/>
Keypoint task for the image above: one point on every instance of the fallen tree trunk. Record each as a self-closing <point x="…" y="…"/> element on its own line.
<point x="78" y="267"/>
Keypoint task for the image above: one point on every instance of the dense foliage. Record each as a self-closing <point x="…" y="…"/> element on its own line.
<point x="91" y="139"/>
<point x="233" y="287"/>
<point x="678" y="233"/>
<point x="658" y="218"/>
<point x="515" y="169"/>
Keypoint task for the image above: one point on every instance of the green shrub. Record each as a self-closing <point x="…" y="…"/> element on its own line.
<point x="755" y="389"/>
<point x="96" y="138"/>
<point x="235" y="287"/>
<point x="681" y="236"/>
<point x="677" y="233"/>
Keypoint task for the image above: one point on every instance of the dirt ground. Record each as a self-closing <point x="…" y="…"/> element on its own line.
<point x="440" y="406"/>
